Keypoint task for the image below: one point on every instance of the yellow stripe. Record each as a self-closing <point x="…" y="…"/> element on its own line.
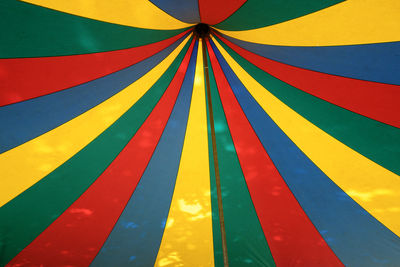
<point x="375" y="188"/>
<point x="136" y="13"/>
<point x="347" y="23"/>
<point x="26" y="164"/>
<point x="187" y="237"/>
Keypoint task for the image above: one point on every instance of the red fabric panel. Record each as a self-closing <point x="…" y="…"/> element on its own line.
<point x="75" y="237"/>
<point x="377" y="101"/>
<point x="214" y="11"/>
<point x="25" y="78"/>
<point x="291" y="236"/>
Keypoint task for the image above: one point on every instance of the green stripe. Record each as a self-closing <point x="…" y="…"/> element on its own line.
<point x="247" y="245"/>
<point x="32" y="31"/>
<point x="375" y="140"/>
<point x="26" y="216"/>
<point x="218" y="253"/>
<point x="259" y="13"/>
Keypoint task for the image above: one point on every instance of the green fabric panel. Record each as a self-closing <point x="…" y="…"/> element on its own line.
<point x="30" y="213"/>
<point x="218" y="254"/>
<point x="375" y="140"/>
<point x="246" y="243"/>
<point x="259" y="13"/>
<point x="32" y="31"/>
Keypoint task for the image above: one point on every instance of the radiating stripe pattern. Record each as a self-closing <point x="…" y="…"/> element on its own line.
<point x="127" y="138"/>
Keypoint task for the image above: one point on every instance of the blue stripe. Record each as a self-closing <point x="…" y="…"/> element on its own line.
<point x="184" y="10"/>
<point x="356" y="237"/>
<point x="371" y="62"/>
<point x="136" y="237"/>
<point x="32" y="118"/>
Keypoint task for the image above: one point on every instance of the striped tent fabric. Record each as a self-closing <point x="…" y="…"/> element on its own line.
<point x="200" y="133"/>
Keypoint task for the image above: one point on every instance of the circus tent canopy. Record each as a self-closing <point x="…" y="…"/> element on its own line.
<point x="199" y="133"/>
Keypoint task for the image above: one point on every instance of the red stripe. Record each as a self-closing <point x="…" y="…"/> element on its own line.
<point x="291" y="236"/>
<point x="215" y="11"/>
<point x="377" y="101"/>
<point x="26" y="78"/>
<point x="75" y="237"/>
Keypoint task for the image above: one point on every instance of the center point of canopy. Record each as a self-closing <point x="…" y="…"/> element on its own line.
<point x="202" y="30"/>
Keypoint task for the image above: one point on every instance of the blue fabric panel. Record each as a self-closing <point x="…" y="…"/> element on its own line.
<point x="29" y="119"/>
<point x="356" y="237"/>
<point x="136" y="237"/>
<point x="184" y="10"/>
<point x="371" y="62"/>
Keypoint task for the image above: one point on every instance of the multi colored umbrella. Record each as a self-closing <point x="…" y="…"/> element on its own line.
<point x="132" y="135"/>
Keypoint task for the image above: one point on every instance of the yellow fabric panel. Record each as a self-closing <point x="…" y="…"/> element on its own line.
<point x="347" y="23"/>
<point x="23" y="166"/>
<point x="187" y="239"/>
<point x="135" y="13"/>
<point x="375" y="188"/>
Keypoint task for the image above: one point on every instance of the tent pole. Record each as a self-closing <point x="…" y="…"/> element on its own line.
<point x="215" y="156"/>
